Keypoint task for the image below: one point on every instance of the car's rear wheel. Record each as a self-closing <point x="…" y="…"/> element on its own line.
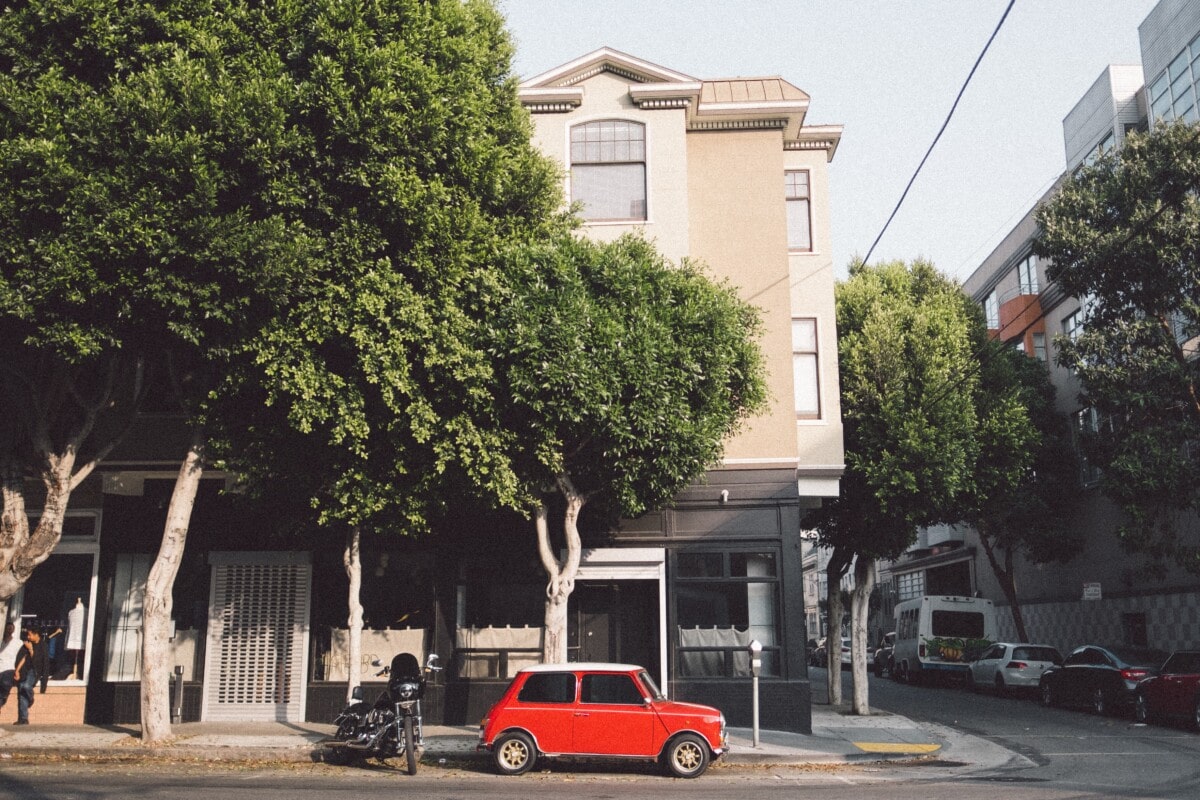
<point x="1048" y="698"/>
<point x="514" y="753"/>
<point x="971" y="681"/>
<point x="1141" y="708"/>
<point x="1196" y="714"/>
<point x="686" y="756"/>
<point x="1001" y="689"/>
<point x="1099" y="702"/>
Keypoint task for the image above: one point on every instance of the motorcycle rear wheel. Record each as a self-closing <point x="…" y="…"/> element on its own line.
<point x="410" y="747"/>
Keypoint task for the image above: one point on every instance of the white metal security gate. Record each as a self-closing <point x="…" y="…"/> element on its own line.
<point x="258" y="620"/>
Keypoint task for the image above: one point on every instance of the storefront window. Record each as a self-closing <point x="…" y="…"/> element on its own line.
<point x="720" y="611"/>
<point x="55" y="601"/>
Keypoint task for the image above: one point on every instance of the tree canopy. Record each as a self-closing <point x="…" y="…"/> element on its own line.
<point x="926" y="438"/>
<point x="619" y="378"/>
<point x="1124" y="236"/>
<point x="416" y="169"/>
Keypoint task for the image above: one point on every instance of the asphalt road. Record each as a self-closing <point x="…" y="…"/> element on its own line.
<point x="1069" y="750"/>
<point x="1066" y="755"/>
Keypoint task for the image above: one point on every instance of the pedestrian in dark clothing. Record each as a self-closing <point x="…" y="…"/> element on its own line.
<point x="24" y="677"/>
<point x="41" y="657"/>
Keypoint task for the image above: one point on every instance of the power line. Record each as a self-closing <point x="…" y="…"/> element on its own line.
<point x="962" y="90"/>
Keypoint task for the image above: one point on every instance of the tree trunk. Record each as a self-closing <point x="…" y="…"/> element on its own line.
<point x="860" y="603"/>
<point x="1006" y="576"/>
<point x="56" y="452"/>
<point x="561" y="574"/>
<point x="352" y="559"/>
<point x="21" y="549"/>
<point x="156" y="608"/>
<point x="834" y="571"/>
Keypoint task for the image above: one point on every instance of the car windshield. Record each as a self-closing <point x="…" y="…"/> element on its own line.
<point x="1140" y="656"/>
<point x="650" y="686"/>
<point x="1037" y="654"/>
<point x="1183" y="664"/>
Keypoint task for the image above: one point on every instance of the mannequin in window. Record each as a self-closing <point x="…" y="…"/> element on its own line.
<point x="75" y="622"/>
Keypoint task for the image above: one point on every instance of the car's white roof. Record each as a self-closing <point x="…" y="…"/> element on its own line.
<point x="589" y="666"/>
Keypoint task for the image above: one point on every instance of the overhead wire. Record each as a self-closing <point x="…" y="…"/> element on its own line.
<point x="941" y="130"/>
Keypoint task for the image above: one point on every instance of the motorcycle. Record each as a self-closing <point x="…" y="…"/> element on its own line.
<point x="390" y="726"/>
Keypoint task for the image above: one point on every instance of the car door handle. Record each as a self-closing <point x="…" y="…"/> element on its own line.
<point x="582" y="714"/>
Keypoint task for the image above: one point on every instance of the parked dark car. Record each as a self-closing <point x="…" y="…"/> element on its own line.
<point x="816" y="656"/>
<point x="1099" y="677"/>
<point x="882" y="661"/>
<point x="1173" y="692"/>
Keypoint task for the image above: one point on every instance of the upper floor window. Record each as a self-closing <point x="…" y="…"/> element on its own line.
<point x="991" y="310"/>
<point x="1173" y="93"/>
<point x="1072" y="324"/>
<point x="608" y="170"/>
<point x="1027" y="275"/>
<point x="799" y="210"/>
<point x="1039" y="347"/>
<point x="804" y="368"/>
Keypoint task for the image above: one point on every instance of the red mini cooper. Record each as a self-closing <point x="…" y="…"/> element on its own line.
<point x="598" y="710"/>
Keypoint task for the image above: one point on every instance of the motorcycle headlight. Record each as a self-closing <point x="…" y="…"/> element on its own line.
<point x="407" y="690"/>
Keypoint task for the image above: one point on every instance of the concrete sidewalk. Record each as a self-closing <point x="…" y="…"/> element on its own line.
<point x="836" y="738"/>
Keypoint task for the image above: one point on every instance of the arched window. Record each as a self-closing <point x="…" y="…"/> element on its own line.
<point x="608" y="170"/>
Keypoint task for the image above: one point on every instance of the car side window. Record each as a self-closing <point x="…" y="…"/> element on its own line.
<point x="548" y="687"/>
<point x="610" y="689"/>
<point x="1078" y="657"/>
<point x="995" y="651"/>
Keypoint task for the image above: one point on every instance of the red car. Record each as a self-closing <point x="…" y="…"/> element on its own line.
<point x="598" y="710"/>
<point x="1173" y="692"/>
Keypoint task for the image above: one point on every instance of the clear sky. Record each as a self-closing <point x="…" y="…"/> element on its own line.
<point x="888" y="70"/>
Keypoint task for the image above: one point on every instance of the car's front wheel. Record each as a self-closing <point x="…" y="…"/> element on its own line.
<point x="1196" y="714"/>
<point x="686" y="756"/>
<point x="1099" y="702"/>
<point x="514" y="753"/>
<point x="1048" y="698"/>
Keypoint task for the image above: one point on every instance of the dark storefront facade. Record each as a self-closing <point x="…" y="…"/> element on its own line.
<point x="259" y="617"/>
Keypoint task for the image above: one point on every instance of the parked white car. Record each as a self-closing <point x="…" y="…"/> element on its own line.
<point x="1005" y="665"/>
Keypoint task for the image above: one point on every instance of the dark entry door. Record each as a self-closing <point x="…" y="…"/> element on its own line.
<point x="614" y="621"/>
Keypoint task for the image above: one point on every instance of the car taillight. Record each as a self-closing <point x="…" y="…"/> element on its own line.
<point x="921" y="650"/>
<point x="1134" y="674"/>
<point x="1016" y="665"/>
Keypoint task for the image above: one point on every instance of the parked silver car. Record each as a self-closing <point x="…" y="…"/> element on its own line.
<point x="1011" y="665"/>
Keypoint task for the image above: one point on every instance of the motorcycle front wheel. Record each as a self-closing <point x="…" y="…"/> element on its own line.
<point x="410" y="746"/>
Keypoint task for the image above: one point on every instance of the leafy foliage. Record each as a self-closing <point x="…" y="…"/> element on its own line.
<point x="1124" y="234"/>
<point x="619" y="370"/>
<point x="415" y="169"/>
<point x="909" y="404"/>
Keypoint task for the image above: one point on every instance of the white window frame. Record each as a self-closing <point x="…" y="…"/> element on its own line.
<point x="991" y="310"/>
<point x="608" y="152"/>
<point x="1027" y="277"/>
<point x="806" y="368"/>
<point x="799" y="210"/>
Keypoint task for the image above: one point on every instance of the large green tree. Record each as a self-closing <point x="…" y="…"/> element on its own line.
<point x="303" y="195"/>
<point x="1124" y="235"/>
<point x="907" y="347"/>
<point x="619" y="378"/>
<point x="141" y="184"/>
<point x="1025" y="484"/>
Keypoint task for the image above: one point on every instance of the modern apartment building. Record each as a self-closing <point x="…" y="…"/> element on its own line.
<point x="1102" y="595"/>
<point x="724" y="171"/>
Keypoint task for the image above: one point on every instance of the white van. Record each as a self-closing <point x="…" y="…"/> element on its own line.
<point x="940" y="635"/>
